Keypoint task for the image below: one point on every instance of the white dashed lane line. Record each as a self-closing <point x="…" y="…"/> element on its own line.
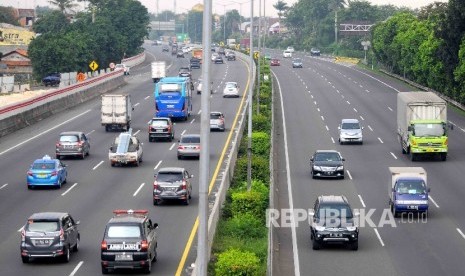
<point x="172" y="146"/>
<point x="76" y="268"/>
<point x="96" y="166"/>
<point x="434" y="202"/>
<point x="69" y="189"/>
<point x="184" y="131"/>
<point x="393" y="155"/>
<point x="322" y="118"/>
<point x="363" y="119"/>
<point x="348" y="173"/>
<point x="381" y="141"/>
<point x="3" y="186"/>
<point x="137" y="132"/>
<point x="87" y="134"/>
<point x="461" y="233"/>
<point x="355" y="109"/>
<point x="332" y="139"/>
<point x="146" y="98"/>
<point x="379" y="236"/>
<point x="370" y="127"/>
<point x="200" y="111"/>
<point x="390" y="108"/>
<point x="348" y="102"/>
<point x="158" y="164"/>
<point x="361" y="200"/>
<point x="138" y="189"/>
<point x="136" y="104"/>
<point x="327" y="128"/>
<point x="193" y="120"/>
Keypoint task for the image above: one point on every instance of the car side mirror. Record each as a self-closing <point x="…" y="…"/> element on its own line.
<point x="429" y="190"/>
<point x="155" y="225"/>
<point x="339" y="127"/>
<point x="343" y="159"/>
<point x="356" y="214"/>
<point x="78" y="222"/>
<point x="191" y="176"/>
<point x="311" y="213"/>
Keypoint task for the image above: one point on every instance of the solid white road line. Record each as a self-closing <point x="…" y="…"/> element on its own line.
<point x="393" y="155"/>
<point x="138" y="189"/>
<point x="136" y="104"/>
<point x="3" y="186"/>
<point x="434" y="202"/>
<point x="184" y="131"/>
<point x="348" y="173"/>
<point x="379" y="236"/>
<point x="146" y="98"/>
<point x="461" y="233"/>
<point x="361" y="200"/>
<point x="87" y="134"/>
<point x="69" y="189"/>
<point x="137" y="132"/>
<point x="76" y="268"/>
<point x="172" y="146"/>
<point x="96" y="166"/>
<point x="380" y="140"/>
<point x="289" y="185"/>
<point x="43" y="132"/>
<point x="158" y="164"/>
<point x="193" y="120"/>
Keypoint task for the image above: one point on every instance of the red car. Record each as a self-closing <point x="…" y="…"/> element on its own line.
<point x="274" y="62"/>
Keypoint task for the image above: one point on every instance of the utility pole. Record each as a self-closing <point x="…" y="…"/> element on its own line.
<point x="259" y="53"/>
<point x="250" y="98"/>
<point x="224" y="24"/>
<point x="204" y="166"/>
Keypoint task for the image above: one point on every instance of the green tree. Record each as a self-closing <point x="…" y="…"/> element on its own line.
<point x="281" y="7"/>
<point x="63" y="5"/>
<point x="7" y="15"/>
<point x="54" y="21"/>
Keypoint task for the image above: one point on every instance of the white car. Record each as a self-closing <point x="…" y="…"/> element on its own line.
<point x="199" y="87"/>
<point x="231" y="89"/>
<point x="350" y="131"/>
<point x="214" y="56"/>
<point x="290" y="49"/>
<point x="287" y="54"/>
<point x="122" y="66"/>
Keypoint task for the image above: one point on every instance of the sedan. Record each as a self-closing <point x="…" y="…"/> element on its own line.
<point x="217" y="121"/>
<point x="314" y="52"/>
<point x="287" y="54"/>
<point x="189" y="145"/>
<point x="231" y="89"/>
<point x="274" y="62"/>
<point x="327" y="163"/>
<point x="219" y="59"/>
<point x="297" y="63"/>
<point x="180" y="54"/>
<point x="46" y="172"/>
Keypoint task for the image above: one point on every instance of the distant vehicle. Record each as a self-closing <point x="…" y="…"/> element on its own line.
<point x="219" y="59"/>
<point x="185" y="49"/>
<point x="217" y="121"/>
<point x="184" y="72"/>
<point x="165" y="48"/>
<point x="287" y="54"/>
<point x="327" y="163"/>
<point x="267" y="56"/>
<point x="326" y="229"/>
<point x="180" y="54"/>
<point x="290" y="49"/>
<point x="350" y="131"/>
<point x="52" y="79"/>
<point x="173" y="97"/>
<point x="214" y="55"/>
<point x="197" y="53"/>
<point x="274" y="62"/>
<point x="161" y="128"/>
<point x="49" y="235"/>
<point x="189" y="146"/>
<point x="231" y="89"/>
<point x="126" y="149"/>
<point x="194" y="63"/>
<point x="130" y="242"/>
<point x="231" y="42"/>
<point x="156" y="42"/>
<point x="122" y="67"/>
<point x="230" y="56"/>
<point x="200" y="87"/>
<point x="174" y="49"/>
<point x="116" y="112"/>
<point x="221" y="51"/>
<point x="158" y="70"/>
<point x="46" y="172"/>
<point x="314" y="52"/>
<point x="297" y="63"/>
<point x="72" y="143"/>
<point x="172" y="183"/>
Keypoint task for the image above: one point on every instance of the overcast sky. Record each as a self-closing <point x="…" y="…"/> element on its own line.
<point x="219" y="5"/>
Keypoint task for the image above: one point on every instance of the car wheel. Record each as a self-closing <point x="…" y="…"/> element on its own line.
<point x="137" y="162"/>
<point x="148" y="269"/>
<point x="104" y="270"/>
<point x="58" y="157"/>
<point x="107" y="128"/>
<point x="155" y="255"/>
<point x="66" y="179"/>
<point x="316" y="245"/>
<point x="66" y="254"/>
<point x="187" y="200"/>
<point x="393" y="211"/>
<point x="354" y="245"/>
<point x="443" y="156"/>
<point x="413" y="156"/>
<point x="59" y="184"/>
<point x="179" y="157"/>
<point x="156" y="202"/>
<point x="313" y="175"/>
<point x="76" y="246"/>
<point x="112" y="164"/>
<point x="83" y="155"/>
<point x="29" y="187"/>
<point x="25" y="259"/>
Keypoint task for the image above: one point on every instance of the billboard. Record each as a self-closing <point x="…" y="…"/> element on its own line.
<point x="15" y="36"/>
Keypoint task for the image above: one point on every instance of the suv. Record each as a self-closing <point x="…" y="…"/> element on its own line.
<point x="184" y="72"/>
<point x="161" y="127"/>
<point x="217" y="121"/>
<point x="49" y="235"/>
<point x="332" y="221"/>
<point x="72" y="143"/>
<point x="314" y="52"/>
<point x="123" y="67"/>
<point x="327" y="163"/>
<point x="230" y="56"/>
<point x="165" y="48"/>
<point x="194" y="63"/>
<point x="129" y="241"/>
<point x="52" y="79"/>
<point x="172" y="183"/>
<point x="297" y="63"/>
<point x="350" y="131"/>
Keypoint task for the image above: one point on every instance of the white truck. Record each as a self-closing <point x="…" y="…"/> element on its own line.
<point x="231" y="42"/>
<point x="116" y="112"/>
<point x="422" y="124"/>
<point x="126" y="149"/>
<point x="158" y="70"/>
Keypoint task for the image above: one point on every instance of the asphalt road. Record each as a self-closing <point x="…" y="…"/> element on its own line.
<point x="314" y="100"/>
<point x="94" y="188"/>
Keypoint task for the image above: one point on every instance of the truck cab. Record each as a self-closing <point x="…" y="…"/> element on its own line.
<point x="408" y="190"/>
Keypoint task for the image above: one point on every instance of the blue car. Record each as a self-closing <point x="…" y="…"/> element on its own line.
<point x="46" y="172"/>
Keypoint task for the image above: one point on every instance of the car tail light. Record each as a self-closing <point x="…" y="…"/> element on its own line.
<point x="23" y="235"/>
<point x="62" y="235"/>
<point x="155" y="185"/>
<point x="197" y="147"/>
<point x="104" y="245"/>
<point x="58" y="144"/>
<point x="181" y="147"/>
<point x="184" y="185"/>
<point x="54" y="173"/>
<point x="30" y="173"/>
<point x="80" y="143"/>
<point x="144" y="246"/>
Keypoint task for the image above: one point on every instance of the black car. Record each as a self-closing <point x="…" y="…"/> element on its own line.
<point x="184" y="72"/>
<point x="314" y="52"/>
<point x="218" y="59"/>
<point x="194" y="63"/>
<point x="52" y="79"/>
<point x="230" y="56"/>
<point x="332" y="222"/>
<point x="172" y="183"/>
<point x="327" y="163"/>
<point x="161" y="128"/>
<point x="165" y="48"/>
<point x="49" y="235"/>
<point x="129" y="241"/>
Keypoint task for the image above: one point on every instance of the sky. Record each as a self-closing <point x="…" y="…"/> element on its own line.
<point x="219" y="6"/>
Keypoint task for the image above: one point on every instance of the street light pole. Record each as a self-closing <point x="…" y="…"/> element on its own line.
<point x="250" y="97"/>
<point x="224" y="24"/>
<point x="258" y="59"/>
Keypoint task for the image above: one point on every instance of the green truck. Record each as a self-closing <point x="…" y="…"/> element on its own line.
<point x="422" y="125"/>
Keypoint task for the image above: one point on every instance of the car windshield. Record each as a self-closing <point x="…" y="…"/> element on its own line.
<point x="169" y="176"/>
<point x="191" y="140"/>
<point x="123" y="231"/>
<point x="297" y="60"/>
<point x="68" y="138"/>
<point x="350" y="126"/>
<point x="334" y="211"/>
<point x="230" y="85"/>
<point x="159" y="123"/>
<point x="42" y="226"/>
<point x="43" y="166"/>
<point x="427" y="130"/>
<point x="411" y="187"/>
<point x="327" y="156"/>
<point x="215" y="116"/>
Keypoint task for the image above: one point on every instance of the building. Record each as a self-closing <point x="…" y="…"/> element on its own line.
<point x="16" y="62"/>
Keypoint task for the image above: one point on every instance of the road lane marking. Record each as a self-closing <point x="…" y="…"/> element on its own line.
<point x="355" y="109"/>
<point x="136" y="104"/>
<point x="348" y="173"/>
<point x="314" y="102"/>
<point x="44" y="132"/>
<point x="361" y="86"/>
<point x="193" y="120"/>
<point x="96" y="166"/>
<point x="184" y="131"/>
<point x="380" y="140"/>
<point x="361" y="117"/>
<point x="338" y="91"/>
<point x="69" y="189"/>
<point x="327" y="128"/>
<point x="361" y="200"/>
<point x="348" y="102"/>
<point x="87" y="134"/>
<point x="318" y="109"/>
<point x="461" y="233"/>
<point x="137" y="132"/>
<point x="3" y="186"/>
<point x="393" y="155"/>
<point x="434" y="202"/>
<point x="390" y="108"/>
<point x="322" y="118"/>
<point x="158" y="164"/>
<point x="146" y="98"/>
<point x="200" y="111"/>
<point x="21" y="229"/>
<point x="76" y="268"/>
<point x="370" y="127"/>
<point x="368" y="91"/>
<point x="379" y="236"/>
<point x="172" y="146"/>
<point x="332" y="139"/>
<point x="138" y="189"/>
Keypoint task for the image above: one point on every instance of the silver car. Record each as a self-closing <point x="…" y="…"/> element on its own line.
<point x="350" y="131"/>
<point x="189" y="145"/>
<point x="172" y="183"/>
<point x="217" y="121"/>
<point x="231" y="89"/>
<point x="72" y="143"/>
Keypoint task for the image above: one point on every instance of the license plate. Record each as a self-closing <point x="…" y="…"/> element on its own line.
<point x="68" y="146"/>
<point x="41" y="175"/>
<point x="158" y="130"/>
<point x="123" y="257"/>
<point x="429" y="150"/>
<point x="412" y="207"/>
<point x="42" y="242"/>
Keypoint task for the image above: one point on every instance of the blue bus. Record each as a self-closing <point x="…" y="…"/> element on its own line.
<point x="173" y="97"/>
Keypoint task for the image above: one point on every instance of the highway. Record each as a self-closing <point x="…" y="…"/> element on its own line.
<point x="313" y="100"/>
<point x="95" y="189"/>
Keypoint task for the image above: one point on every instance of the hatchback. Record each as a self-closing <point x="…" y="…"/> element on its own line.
<point x="189" y="145"/>
<point x="72" y="143"/>
<point x="161" y="128"/>
<point x="274" y="62"/>
<point x="231" y="89"/>
<point x="172" y="184"/>
<point x="47" y="172"/>
<point x="217" y="121"/>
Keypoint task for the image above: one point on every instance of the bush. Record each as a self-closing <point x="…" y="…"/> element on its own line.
<point x="261" y="144"/>
<point x="234" y="262"/>
<point x="249" y="202"/>
<point x="261" y="123"/>
<point x="260" y="169"/>
<point x="244" y="227"/>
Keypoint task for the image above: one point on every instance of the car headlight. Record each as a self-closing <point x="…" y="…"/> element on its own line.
<point x="316" y="168"/>
<point x="422" y="202"/>
<point x="319" y="228"/>
<point x="340" y="168"/>
<point x="351" y="228"/>
<point x="400" y="202"/>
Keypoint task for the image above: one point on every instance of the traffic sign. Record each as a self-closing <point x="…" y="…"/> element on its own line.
<point x="112" y="65"/>
<point x="256" y="54"/>
<point x="221" y="43"/>
<point x="247" y="50"/>
<point x="93" y="65"/>
<point x="238" y="47"/>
